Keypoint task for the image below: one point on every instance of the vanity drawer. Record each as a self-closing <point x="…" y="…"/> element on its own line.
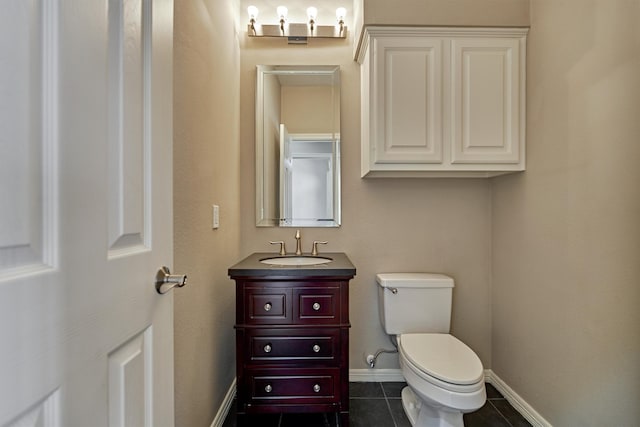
<point x="268" y="306"/>
<point x="319" y="305"/>
<point x="313" y="385"/>
<point x="293" y="345"/>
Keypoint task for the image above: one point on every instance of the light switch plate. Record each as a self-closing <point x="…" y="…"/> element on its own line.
<point x="216" y="217"/>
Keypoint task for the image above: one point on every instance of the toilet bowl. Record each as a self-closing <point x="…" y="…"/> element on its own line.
<point x="445" y="379"/>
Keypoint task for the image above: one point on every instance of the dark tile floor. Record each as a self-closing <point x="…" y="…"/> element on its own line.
<point x="380" y="405"/>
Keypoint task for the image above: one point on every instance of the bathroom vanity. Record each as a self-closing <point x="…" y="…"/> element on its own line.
<point x="292" y="336"/>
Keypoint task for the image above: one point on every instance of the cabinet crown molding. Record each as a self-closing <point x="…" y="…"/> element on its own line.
<point x="369" y="31"/>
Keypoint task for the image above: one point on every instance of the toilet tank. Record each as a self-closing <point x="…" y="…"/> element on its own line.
<point x="414" y="302"/>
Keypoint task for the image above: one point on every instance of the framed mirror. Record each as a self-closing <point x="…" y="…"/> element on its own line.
<point x="298" y="146"/>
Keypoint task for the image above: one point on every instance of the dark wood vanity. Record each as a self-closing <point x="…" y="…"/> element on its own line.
<point x="292" y="337"/>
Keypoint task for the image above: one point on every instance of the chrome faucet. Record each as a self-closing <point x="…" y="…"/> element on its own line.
<point x="298" y="243"/>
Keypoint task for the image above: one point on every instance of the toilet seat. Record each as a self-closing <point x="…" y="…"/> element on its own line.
<point x="442" y="360"/>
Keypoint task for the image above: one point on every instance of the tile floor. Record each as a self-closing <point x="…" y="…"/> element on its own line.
<point x="379" y="405"/>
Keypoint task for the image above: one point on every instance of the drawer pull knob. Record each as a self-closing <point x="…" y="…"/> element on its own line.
<point x="316" y="348"/>
<point x="267" y="307"/>
<point x="267" y="348"/>
<point x="316" y="388"/>
<point x="268" y="388"/>
<point x="316" y="306"/>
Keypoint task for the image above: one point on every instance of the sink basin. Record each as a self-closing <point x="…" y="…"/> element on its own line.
<point x="296" y="260"/>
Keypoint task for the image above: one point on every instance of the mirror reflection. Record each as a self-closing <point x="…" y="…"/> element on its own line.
<point x="298" y="146"/>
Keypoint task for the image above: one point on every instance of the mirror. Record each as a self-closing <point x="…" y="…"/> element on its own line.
<point x="298" y="146"/>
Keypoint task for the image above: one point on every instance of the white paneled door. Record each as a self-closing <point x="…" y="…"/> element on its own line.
<point x="85" y="213"/>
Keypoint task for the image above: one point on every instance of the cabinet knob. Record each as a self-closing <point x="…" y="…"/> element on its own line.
<point x="316" y="306"/>
<point x="268" y="388"/>
<point x="267" y="307"/>
<point x="316" y="348"/>
<point x="316" y="388"/>
<point x="267" y="348"/>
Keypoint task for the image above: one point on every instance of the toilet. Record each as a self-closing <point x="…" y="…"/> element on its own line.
<point x="445" y="377"/>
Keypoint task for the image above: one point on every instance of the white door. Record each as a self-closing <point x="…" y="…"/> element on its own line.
<point x="285" y="166"/>
<point x="85" y="212"/>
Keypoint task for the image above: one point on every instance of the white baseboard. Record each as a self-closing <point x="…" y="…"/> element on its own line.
<point x="516" y="401"/>
<point x="390" y="375"/>
<point x="223" y="411"/>
<point x="395" y="375"/>
<point x="375" y="375"/>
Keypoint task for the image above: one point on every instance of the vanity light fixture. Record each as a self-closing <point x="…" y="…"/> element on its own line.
<point x="297" y="33"/>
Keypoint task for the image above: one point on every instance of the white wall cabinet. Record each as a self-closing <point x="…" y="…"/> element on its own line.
<point x="442" y="102"/>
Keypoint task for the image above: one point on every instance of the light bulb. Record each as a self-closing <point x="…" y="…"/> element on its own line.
<point x="312" y="13"/>
<point x="282" y="12"/>
<point x="253" y="12"/>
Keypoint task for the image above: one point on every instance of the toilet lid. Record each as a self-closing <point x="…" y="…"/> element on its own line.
<point x="442" y="356"/>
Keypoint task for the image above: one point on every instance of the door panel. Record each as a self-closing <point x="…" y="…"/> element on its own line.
<point x="485" y="127"/>
<point x="129" y="109"/>
<point x="26" y="115"/>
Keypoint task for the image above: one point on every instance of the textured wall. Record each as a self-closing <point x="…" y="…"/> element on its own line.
<point x="389" y="225"/>
<point x="566" y="233"/>
<point x="206" y="172"/>
<point x="447" y="12"/>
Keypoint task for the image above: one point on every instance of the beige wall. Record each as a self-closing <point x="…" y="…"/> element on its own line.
<point x="206" y="172"/>
<point x="446" y="12"/>
<point x="308" y="109"/>
<point x="545" y="262"/>
<point x="271" y="154"/>
<point x="388" y="224"/>
<point x="566" y="233"/>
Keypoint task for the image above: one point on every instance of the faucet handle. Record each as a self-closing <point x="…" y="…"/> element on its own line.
<point x="283" y="250"/>
<point x="314" y="248"/>
<point x="298" y="244"/>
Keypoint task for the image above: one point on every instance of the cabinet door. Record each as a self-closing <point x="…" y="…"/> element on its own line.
<point x="267" y="306"/>
<point x="486" y="101"/>
<point x="406" y="112"/>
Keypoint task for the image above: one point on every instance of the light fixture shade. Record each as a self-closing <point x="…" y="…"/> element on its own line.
<point x="312" y="13"/>
<point x="340" y="13"/>
<point x="282" y="12"/>
<point x="253" y="12"/>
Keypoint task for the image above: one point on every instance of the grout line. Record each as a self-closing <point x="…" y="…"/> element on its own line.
<point x="367" y="398"/>
<point x="386" y="400"/>
<point x="498" y="411"/>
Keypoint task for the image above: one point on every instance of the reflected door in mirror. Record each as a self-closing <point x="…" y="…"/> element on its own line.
<point x="298" y="146"/>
